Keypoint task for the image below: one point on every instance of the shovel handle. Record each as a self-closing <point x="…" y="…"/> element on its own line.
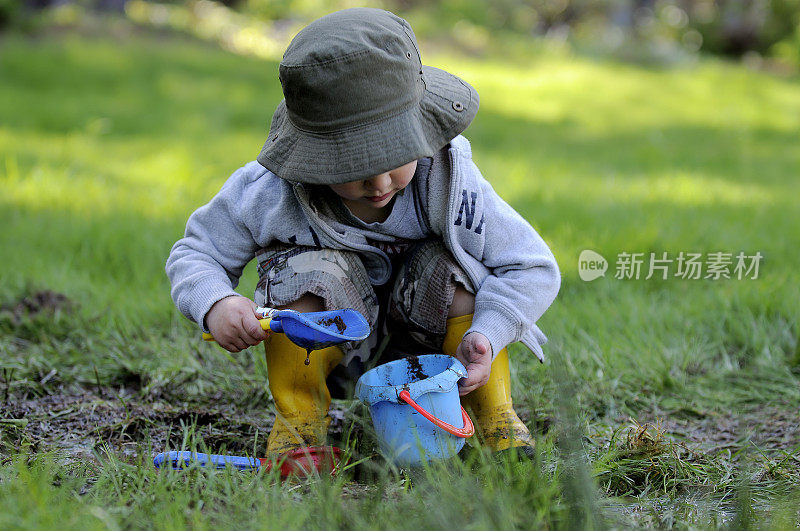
<point x="179" y="460"/>
<point x="467" y="431"/>
<point x="264" y="326"/>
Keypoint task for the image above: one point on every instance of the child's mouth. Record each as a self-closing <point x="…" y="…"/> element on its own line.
<point x="380" y="197"/>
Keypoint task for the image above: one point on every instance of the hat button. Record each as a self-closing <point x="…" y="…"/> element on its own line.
<point x="457" y="106"/>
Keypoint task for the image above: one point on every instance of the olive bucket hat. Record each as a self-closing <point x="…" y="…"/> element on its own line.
<point x="358" y="101"/>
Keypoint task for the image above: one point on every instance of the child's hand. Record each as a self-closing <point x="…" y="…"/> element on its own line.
<point x="234" y="324"/>
<point x="475" y="352"/>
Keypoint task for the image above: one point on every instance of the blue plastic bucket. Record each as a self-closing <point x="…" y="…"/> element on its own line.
<point x="415" y="408"/>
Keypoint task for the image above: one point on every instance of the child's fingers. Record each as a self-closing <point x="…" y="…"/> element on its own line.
<point x="251" y="331"/>
<point x="466" y="390"/>
<point x="238" y="337"/>
<point x="476" y="377"/>
<point x="234" y="344"/>
<point x="459" y="355"/>
<point x="254" y="307"/>
<point x="477" y="345"/>
<point x="473" y="354"/>
<point x="469" y="385"/>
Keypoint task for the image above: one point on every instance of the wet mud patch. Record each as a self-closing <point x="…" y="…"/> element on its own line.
<point x="34" y="316"/>
<point x="770" y="428"/>
<point x="78" y="424"/>
<point x="415" y="368"/>
<point x="40" y="302"/>
<point x="703" y="452"/>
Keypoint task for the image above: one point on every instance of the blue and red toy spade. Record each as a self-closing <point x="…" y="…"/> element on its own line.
<point x="300" y="461"/>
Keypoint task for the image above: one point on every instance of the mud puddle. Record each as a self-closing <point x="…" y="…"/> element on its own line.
<point x="770" y="428"/>
<point x="78" y="424"/>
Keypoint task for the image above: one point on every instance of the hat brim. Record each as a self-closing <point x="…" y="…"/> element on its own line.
<point x="446" y="108"/>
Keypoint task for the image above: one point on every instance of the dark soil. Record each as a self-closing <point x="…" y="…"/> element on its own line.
<point x="771" y="428"/>
<point x="40" y="302"/>
<point x="338" y="321"/>
<point x="415" y="368"/>
<point x="79" y="424"/>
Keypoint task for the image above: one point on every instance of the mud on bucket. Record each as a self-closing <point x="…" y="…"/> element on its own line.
<point x="415" y="408"/>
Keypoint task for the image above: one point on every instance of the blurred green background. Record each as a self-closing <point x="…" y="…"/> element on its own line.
<point x="643" y="30"/>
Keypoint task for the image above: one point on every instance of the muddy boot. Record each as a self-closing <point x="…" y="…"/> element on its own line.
<point x="301" y="396"/>
<point x="497" y="425"/>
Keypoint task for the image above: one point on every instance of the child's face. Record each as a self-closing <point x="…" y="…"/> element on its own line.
<point x="377" y="191"/>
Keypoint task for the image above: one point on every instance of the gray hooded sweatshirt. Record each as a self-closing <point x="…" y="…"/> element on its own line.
<point x="514" y="271"/>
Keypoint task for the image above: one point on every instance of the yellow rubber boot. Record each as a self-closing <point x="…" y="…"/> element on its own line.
<point x="497" y="424"/>
<point x="301" y="396"/>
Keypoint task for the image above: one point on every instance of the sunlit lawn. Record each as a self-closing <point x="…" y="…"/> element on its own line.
<point x="106" y="147"/>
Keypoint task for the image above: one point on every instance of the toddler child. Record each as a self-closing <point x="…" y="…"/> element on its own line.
<point x="365" y="196"/>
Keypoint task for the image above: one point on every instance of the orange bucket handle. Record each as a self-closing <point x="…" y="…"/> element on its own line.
<point x="467" y="431"/>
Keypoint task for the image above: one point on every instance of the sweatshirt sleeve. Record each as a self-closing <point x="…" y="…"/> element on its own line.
<point x="524" y="277"/>
<point x="205" y="265"/>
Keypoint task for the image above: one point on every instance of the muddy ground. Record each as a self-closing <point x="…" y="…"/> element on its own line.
<point x="769" y="428"/>
<point x="82" y="422"/>
<point x="78" y="424"/>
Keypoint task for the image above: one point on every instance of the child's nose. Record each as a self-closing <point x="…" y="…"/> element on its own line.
<point x="380" y="182"/>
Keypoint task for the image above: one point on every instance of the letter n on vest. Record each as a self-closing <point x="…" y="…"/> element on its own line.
<point x="466" y="213"/>
<point x="467" y="208"/>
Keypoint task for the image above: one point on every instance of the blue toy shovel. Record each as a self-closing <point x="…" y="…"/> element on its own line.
<point x="297" y="462"/>
<point x="313" y="330"/>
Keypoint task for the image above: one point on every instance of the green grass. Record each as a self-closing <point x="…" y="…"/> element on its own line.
<point x="107" y="145"/>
